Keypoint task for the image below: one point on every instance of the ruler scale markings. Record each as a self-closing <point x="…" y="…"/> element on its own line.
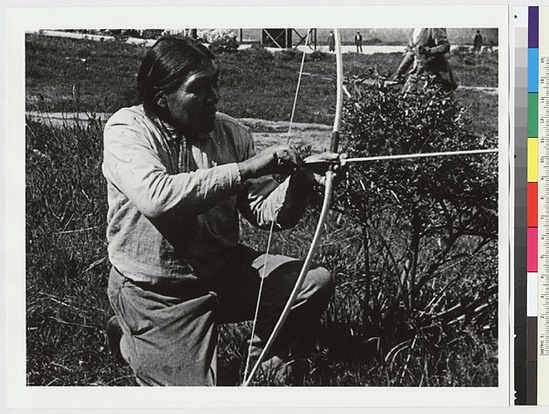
<point x="536" y="162"/>
<point x="543" y="209"/>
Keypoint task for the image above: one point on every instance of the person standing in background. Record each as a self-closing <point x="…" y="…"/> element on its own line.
<point x="331" y="42"/>
<point x="477" y="42"/>
<point x="424" y="63"/>
<point x="358" y="42"/>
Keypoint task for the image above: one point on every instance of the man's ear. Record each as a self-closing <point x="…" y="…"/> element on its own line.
<point x="161" y="101"/>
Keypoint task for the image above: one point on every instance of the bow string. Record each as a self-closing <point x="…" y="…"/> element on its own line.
<point x="328" y="191"/>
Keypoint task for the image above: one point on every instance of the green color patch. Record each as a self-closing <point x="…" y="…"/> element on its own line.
<point x="532" y="115"/>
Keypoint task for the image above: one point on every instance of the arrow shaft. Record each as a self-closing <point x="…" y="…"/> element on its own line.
<point x="405" y="156"/>
<point x="419" y="155"/>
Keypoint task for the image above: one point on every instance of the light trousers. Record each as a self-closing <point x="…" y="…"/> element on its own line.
<point x="170" y="334"/>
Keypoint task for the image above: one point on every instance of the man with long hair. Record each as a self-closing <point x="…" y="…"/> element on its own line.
<point x="178" y="174"/>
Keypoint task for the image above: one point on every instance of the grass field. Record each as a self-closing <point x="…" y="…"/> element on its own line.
<point x="67" y="266"/>
<point x="65" y="75"/>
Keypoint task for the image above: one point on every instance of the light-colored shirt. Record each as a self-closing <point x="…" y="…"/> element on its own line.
<point x="173" y="203"/>
<point x="416" y="33"/>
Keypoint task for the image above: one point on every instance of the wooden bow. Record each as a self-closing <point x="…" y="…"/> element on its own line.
<point x="328" y="190"/>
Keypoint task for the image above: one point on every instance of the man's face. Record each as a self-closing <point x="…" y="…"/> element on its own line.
<point x="193" y="105"/>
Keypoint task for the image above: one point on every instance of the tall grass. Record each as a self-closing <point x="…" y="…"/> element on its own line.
<point x="78" y="75"/>
<point x="66" y="260"/>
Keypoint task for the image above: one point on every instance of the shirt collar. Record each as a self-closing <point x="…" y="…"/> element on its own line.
<point x="173" y="135"/>
<point x="170" y="131"/>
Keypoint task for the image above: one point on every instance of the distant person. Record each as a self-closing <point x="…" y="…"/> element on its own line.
<point x="424" y="63"/>
<point x="358" y="42"/>
<point x="331" y="42"/>
<point x="477" y="42"/>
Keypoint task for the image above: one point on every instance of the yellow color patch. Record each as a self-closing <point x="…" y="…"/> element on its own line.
<point x="532" y="160"/>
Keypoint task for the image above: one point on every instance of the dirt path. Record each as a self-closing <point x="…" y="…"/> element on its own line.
<point x="265" y="133"/>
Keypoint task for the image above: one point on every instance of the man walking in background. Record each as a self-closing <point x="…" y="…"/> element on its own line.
<point x="424" y="63"/>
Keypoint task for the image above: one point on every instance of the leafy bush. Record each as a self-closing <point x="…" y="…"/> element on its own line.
<point x="471" y="61"/>
<point x="257" y="54"/>
<point x="461" y="51"/>
<point x="373" y="41"/>
<point x="288" y="54"/>
<point x="224" y="45"/>
<point x="211" y="35"/>
<point x="317" y="55"/>
<point x="429" y="230"/>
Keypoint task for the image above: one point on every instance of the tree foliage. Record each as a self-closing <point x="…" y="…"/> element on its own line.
<point x="429" y="225"/>
<point x="445" y="190"/>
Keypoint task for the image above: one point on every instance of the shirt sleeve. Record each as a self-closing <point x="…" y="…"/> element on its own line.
<point x="133" y="165"/>
<point x="442" y="45"/>
<point x="263" y="200"/>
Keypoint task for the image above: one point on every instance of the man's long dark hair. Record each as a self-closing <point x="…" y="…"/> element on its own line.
<point x="166" y="66"/>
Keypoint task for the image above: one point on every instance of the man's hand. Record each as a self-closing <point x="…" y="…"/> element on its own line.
<point x="280" y="159"/>
<point x="317" y="165"/>
<point x="425" y="51"/>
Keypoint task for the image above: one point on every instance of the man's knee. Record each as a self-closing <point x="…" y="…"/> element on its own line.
<point x="322" y="281"/>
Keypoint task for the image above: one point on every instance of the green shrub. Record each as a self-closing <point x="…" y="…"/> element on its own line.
<point x="471" y="61"/>
<point x="317" y="55"/>
<point x="224" y="45"/>
<point x="373" y="41"/>
<point x="461" y="51"/>
<point x="257" y="54"/>
<point x="429" y="274"/>
<point x="287" y="54"/>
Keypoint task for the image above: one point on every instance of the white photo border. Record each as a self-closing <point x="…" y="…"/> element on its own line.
<point x="25" y="19"/>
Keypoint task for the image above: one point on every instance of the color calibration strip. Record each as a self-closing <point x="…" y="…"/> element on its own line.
<point x="531" y="128"/>
<point x="541" y="107"/>
<point x="532" y="242"/>
<point x="521" y="202"/>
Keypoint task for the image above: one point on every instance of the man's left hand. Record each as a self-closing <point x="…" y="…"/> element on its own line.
<point x="317" y="165"/>
<point x="425" y="51"/>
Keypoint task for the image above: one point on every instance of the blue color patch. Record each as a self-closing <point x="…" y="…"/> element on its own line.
<point x="533" y="69"/>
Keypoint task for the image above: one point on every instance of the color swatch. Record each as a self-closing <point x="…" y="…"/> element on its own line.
<point x="532" y="123"/>
<point x="531" y="281"/>
<point x="523" y="194"/>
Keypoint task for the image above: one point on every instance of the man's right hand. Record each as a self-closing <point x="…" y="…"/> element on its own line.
<point x="280" y="159"/>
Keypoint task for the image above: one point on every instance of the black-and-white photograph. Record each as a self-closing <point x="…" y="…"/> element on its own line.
<point x="264" y="207"/>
